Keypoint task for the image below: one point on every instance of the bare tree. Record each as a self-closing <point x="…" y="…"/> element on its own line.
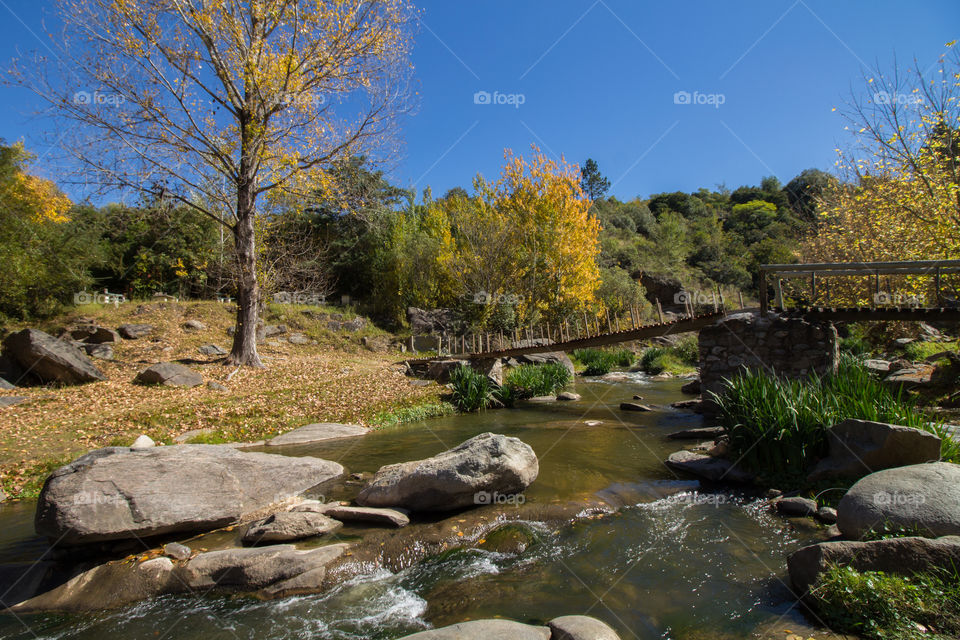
<point x="224" y="103"/>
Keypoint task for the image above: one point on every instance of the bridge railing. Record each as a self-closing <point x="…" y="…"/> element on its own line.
<point x="776" y="273"/>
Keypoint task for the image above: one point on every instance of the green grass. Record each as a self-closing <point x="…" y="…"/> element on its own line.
<point x="414" y="413"/>
<point x="680" y="358"/>
<point x="532" y="380"/>
<point x="879" y="606"/>
<point x="777" y="425"/>
<point x="917" y="350"/>
<point x="600" y="361"/>
<point x="472" y="391"/>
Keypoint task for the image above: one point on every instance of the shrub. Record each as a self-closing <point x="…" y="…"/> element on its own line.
<point x="600" y="361"/>
<point x="472" y="391"/>
<point x="776" y="425"/>
<point x="679" y="358"/>
<point x="874" y="604"/>
<point x="531" y="380"/>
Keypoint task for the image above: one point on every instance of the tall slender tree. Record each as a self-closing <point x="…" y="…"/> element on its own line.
<point x="221" y="104"/>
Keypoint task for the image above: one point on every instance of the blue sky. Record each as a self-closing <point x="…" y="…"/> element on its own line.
<point x="598" y="78"/>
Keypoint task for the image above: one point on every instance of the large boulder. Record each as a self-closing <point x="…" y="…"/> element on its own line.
<point x="484" y="630"/>
<point x="169" y="374"/>
<point x="663" y="288"/>
<point x="859" y="447"/>
<point x="922" y="498"/>
<point x="317" y="433"/>
<point x="289" y="525"/>
<point x="116" y="493"/>
<point x="469" y="474"/>
<point x="435" y="321"/>
<point x="49" y="359"/>
<point x="891" y="555"/>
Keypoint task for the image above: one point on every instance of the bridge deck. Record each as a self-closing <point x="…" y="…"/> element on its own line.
<point x="695" y="323"/>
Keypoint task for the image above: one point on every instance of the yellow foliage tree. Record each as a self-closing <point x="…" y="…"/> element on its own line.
<point x="902" y="197"/>
<point x="533" y="223"/>
<point x="219" y="103"/>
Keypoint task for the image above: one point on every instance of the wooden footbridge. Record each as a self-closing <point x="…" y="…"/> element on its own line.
<point x="886" y="306"/>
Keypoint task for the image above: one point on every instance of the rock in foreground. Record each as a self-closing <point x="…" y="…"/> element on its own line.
<point x="891" y="555"/>
<point x="369" y="515"/>
<point x="466" y="475"/>
<point x="274" y="571"/>
<point x="116" y="493"/>
<point x="921" y="498"/>
<point x="484" y="630"/>
<point x="580" y="628"/>
<point x="49" y="359"/>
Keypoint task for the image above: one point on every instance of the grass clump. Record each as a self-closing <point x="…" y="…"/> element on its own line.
<point x="600" y="361"/>
<point x="532" y="380"/>
<point x="874" y="604"/>
<point x="414" y="413"/>
<point x="776" y="425"/>
<point x="472" y="391"/>
<point x="682" y="357"/>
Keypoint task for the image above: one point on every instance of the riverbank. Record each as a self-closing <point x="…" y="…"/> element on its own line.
<point x="337" y="375"/>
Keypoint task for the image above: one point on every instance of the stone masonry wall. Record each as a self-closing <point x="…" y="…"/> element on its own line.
<point x="791" y="347"/>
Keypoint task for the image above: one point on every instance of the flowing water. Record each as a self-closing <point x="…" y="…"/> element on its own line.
<point x="674" y="562"/>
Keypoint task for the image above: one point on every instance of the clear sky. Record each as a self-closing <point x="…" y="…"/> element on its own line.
<point x="600" y="79"/>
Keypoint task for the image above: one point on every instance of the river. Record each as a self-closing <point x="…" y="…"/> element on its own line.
<point x="674" y="562"/>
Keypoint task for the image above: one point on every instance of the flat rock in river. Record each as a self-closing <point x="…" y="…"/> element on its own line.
<point x="370" y="515"/>
<point x="117" y="494"/>
<point x="708" y="467"/>
<point x="317" y="433"/>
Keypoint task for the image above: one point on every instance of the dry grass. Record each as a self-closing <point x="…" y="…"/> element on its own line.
<point x="336" y="380"/>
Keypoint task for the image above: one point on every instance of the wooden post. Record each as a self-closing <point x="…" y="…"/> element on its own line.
<point x="937" y="284"/>
<point x="609" y="326"/>
<point x="763" y="293"/>
<point x="780" y="302"/>
<point x="740" y="293"/>
<point x="813" y="289"/>
<point x="659" y="311"/>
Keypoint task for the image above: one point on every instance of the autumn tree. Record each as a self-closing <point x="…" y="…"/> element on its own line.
<point x="45" y="256"/>
<point x="540" y="218"/>
<point x="901" y="196"/>
<point x="220" y="105"/>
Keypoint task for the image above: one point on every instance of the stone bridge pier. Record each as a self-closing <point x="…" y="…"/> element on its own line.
<point x="790" y="347"/>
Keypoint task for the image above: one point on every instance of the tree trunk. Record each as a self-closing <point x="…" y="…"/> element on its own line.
<point x="244" y="351"/>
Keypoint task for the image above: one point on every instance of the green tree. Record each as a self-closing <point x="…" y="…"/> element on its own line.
<point x="593" y="183"/>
